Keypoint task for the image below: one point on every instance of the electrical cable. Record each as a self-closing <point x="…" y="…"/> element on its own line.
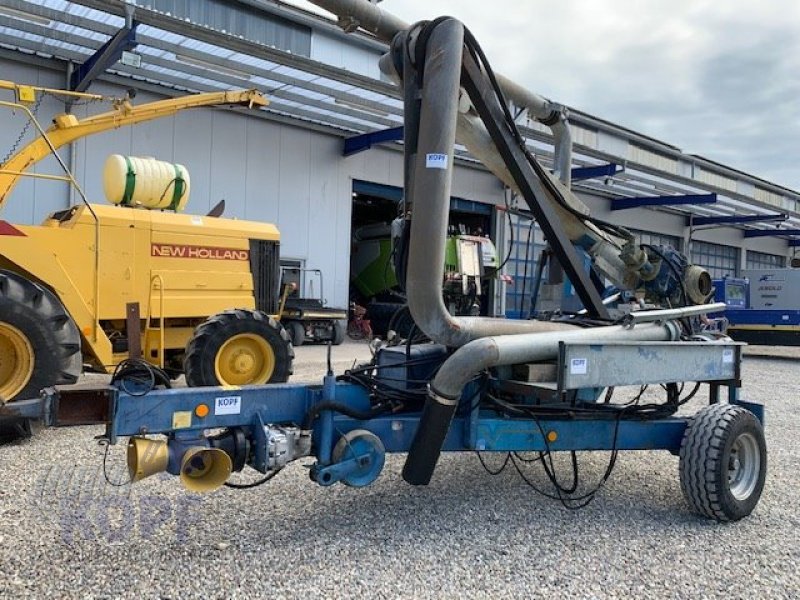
<point x="247" y="486"/>
<point x="141" y="372"/>
<point x="477" y="53"/>
<point x="525" y="271"/>
<point x="104" y="441"/>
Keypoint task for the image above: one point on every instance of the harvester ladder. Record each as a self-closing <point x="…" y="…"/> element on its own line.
<point x="148" y="328"/>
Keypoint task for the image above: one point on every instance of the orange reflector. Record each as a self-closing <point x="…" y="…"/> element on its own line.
<point x="201" y="410"/>
<point x="87" y="330"/>
<point x="552" y="436"/>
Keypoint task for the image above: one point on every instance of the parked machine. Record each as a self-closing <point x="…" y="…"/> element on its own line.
<point x="763" y="306"/>
<point x="97" y="284"/>
<point x="307" y="318"/>
<point x="470" y="262"/>
<point x="482" y="384"/>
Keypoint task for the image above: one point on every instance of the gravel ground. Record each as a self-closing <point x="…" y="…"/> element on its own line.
<point x="65" y="533"/>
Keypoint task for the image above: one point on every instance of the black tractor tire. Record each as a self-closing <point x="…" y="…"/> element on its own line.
<point x="380" y="315"/>
<point x="262" y="338"/>
<point x="296" y="332"/>
<point x="32" y="313"/>
<point x="723" y="462"/>
<point x="338" y="333"/>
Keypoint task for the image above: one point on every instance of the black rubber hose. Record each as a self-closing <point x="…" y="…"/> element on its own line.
<point x="340" y="408"/>
<point x="428" y="441"/>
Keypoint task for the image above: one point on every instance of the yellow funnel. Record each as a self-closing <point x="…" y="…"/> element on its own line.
<point x="205" y="469"/>
<point x="146" y="457"/>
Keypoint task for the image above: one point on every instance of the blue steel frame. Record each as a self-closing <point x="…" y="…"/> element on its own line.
<point x="105" y="56"/>
<point x="735" y="219"/>
<point x="583" y="173"/>
<point x="626" y="203"/>
<point x="751" y="233"/>
<point x="160" y="412"/>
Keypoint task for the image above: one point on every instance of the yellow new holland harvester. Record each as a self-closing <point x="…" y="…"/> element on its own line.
<point x="95" y="284"/>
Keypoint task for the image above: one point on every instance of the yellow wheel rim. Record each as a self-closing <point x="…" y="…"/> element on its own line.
<point x="16" y="361"/>
<point x="244" y="359"/>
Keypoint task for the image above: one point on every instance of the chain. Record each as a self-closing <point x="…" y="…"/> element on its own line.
<point x="22" y="133"/>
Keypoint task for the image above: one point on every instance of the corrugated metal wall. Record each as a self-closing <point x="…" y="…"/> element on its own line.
<point x="240" y="20"/>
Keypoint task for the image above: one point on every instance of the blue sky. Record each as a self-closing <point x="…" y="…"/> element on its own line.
<point x="718" y="79"/>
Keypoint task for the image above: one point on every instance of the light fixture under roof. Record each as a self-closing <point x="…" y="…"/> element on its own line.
<point x="24" y="16"/>
<point x="362" y="107"/>
<point x="199" y="62"/>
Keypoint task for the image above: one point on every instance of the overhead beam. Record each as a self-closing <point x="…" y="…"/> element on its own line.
<point x="735" y="219"/>
<point x="752" y="233"/>
<point x="236" y="44"/>
<point x="365" y="141"/>
<point x="282" y="80"/>
<point x="106" y="56"/>
<point x="583" y="173"/>
<point x="626" y="203"/>
<point x="340" y="108"/>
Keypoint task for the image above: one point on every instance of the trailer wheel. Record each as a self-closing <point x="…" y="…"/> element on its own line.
<point x="723" y="462"/>
<point x="238" y="347"/>
<point x="338" y="333"/>
<point x="360" y="443"/>
<point x="40" y="345"/>
<point x="297" y="332"/>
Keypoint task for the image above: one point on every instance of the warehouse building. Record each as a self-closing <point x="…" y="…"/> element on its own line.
<point x="324" y="159"/>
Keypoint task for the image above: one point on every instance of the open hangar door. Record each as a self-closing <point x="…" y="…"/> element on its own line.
<point x="470" y="261"/>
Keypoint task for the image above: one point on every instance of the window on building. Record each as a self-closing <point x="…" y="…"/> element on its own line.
<point x="762" y="260"/>
<point x="656" y="239"/>
<point x="721" y="261"/>
<point x="521" y="266"/>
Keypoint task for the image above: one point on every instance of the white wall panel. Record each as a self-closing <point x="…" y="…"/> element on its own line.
<point x="262" y="184"/>
<point x="32" y="199"/>
<point x="334" y="52"/>
<point x="192" y="148"/>
<point x="293" y="191"/>
<point x="227" y="136"/>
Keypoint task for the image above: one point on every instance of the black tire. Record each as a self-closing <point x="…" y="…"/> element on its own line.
<point x="402" y="323"/>
<point x="297" y="333"/>
<point x="723" y="462"/>
<point x="13" y="429"/>
<point x="38" y="315"/>
<point x="380" y="314"/>
<point x="211" y="336"/>
<point x="338" y="333"/>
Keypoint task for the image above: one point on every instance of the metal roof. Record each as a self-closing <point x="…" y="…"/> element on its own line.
<point x="179" y="56"/>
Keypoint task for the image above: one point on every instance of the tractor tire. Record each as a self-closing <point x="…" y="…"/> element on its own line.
<point x="40" y="345"/>
<point x="338" y="333"/>
<point x="238" y="347"/>
<point x="723" y="462"/>
<point x="297" y="333"/>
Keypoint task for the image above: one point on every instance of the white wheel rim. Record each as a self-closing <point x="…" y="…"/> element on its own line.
<point x="744" y="466"/>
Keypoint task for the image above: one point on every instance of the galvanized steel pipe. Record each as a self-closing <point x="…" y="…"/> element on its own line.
<point x="469" y="360"/>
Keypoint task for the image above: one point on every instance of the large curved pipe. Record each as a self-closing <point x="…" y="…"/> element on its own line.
<point x="431" y="200"/>
<point x="469" y="360"/>
<point x="370" y="17"/>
